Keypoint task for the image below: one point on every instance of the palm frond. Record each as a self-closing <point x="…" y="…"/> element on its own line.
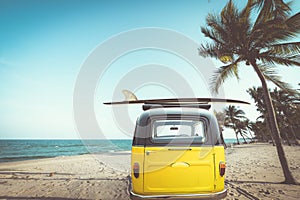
<point x="244" y="21"/>
<point x="285" y="48"/>
<point x="270" y="32"/>
<point x="235" y="28"/>
<point x="293" y="23"/>
<point x="275" y="29"/>
<point x="208" y="50"/>
<point x="271" y="75"/>
<point x="281" y="59"/>
<point x="260" y="117"/>
<point x="229" y="13"/>
<point x="270" y="9"/>
<point x="281" y="8"/>
<point x="284" y="29"/>
<point x="212" y="35"/>
<point x="214" y="22"/>
<point x="240" y="114"/>
<point x="245" y="13"/>
<point x="223" y="73"/>
<point x="265" y="14"/>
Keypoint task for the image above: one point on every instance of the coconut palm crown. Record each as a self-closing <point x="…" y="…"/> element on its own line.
<point x="261" y="43"/>
<point x="260" y="40"/>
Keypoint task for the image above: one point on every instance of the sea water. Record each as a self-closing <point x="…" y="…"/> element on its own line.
<point x="16" y="150"/>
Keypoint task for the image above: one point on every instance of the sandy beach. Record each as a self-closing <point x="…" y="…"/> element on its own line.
<point x="253" y="172"/>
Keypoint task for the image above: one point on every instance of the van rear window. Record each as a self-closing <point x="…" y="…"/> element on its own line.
<point x="178" y="131"/>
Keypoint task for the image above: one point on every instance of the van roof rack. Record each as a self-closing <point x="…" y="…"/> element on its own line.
<point x="173" y="105"/>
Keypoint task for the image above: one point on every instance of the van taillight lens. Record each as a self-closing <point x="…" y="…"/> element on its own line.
<point x="222" y="167"/>
<point x="136" y="170"/>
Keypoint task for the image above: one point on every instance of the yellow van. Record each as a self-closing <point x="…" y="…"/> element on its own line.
<point x="177" y="152"/>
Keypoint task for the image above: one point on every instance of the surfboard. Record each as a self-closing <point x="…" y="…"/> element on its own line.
<point x="178" y="101"/>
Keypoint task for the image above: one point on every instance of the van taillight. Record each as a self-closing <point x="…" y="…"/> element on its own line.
<point x="136" y="169"/>
<point x="222" y="167"/>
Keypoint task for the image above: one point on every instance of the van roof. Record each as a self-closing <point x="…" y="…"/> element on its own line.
<point x="142" y="120"/>
<point x="143" y="124"/>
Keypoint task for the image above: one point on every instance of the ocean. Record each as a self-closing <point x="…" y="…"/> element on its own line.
<point x="17" y="150"/>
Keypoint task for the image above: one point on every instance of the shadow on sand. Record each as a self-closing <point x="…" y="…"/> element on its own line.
<point x="46" y="198"/>
<point x="236" y="186"/>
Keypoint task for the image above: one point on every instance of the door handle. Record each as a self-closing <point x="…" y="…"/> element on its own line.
<point x="148" y="152"/>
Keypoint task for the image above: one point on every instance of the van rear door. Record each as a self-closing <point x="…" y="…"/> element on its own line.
<point x="178" y="161"/>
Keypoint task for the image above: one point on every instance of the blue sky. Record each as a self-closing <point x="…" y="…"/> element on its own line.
<point x="44" y="45"/>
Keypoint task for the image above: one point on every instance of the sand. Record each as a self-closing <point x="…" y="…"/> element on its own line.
<point x="253" y="172"/>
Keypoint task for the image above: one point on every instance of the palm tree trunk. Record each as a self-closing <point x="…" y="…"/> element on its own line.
<point x="250" y="134"/>
<point x="243" y="137"/>
<point x="294" y="136"/>
<point x="287" y="139"/>
<point x="294" y="133"/>
<point x="222" y="138"/>
<point x="236" y="135"/>
<point x="249" y="138"/>
<point x="289" y="179"/>
<point x="234" y="129"/>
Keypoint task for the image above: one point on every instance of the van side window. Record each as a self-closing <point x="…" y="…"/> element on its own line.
<point x="180" y="130"/>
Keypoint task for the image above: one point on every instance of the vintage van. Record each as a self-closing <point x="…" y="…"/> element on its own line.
<point x="177" y="152"/>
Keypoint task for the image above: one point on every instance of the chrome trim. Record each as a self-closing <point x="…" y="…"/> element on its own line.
<point x="217" y="195"/>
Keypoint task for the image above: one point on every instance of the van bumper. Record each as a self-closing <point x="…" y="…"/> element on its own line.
<point x="216" y="195"/>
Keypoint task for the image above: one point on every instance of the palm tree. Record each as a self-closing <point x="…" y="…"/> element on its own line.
<point x="287" y="111"/>
<point x="221" y="118"/>
<point x="260" y="129"/>
<point x="241" y="129"/>
<point x="232" y="120"/>
<point x="257" y="95"/>
<point x="248" y="125"/>
<point x="260" y="44"/>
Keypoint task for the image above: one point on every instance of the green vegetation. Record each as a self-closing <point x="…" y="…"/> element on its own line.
<point x="260" y="35"/>
<point x="287" y="114"/>
<point x="234" y="119"/>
